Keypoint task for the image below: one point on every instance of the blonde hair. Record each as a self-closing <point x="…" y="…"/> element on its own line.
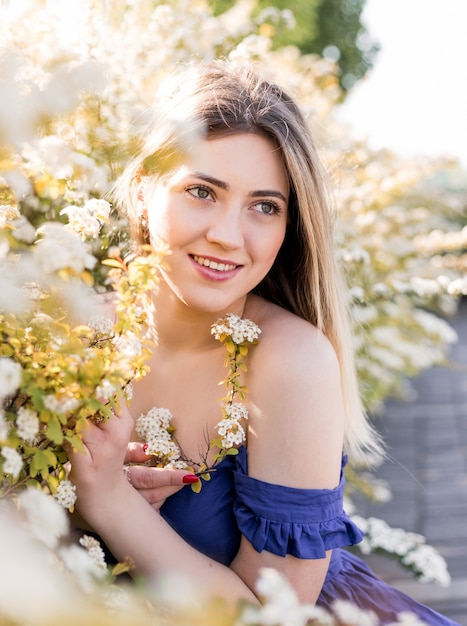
<point x="221" y="99"/>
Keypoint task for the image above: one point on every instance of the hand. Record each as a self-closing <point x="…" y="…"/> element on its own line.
<point x="155" y="484"/>
<point x="97" y="472"/>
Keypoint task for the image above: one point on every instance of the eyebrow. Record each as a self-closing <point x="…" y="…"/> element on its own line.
<point x="259" y="193"/>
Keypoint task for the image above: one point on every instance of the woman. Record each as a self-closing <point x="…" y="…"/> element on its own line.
<point x="228" y="178"/>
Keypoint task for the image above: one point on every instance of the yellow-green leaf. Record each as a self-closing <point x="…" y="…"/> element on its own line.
<point x="230" y="346"/>
<point x="114" y="263"/>
<point x="120" y="568"/>
<point x="196" y="487"/>
<point x="39" y="462"/>
<point x="76" y="442"/>
<point x="54" y="430"/>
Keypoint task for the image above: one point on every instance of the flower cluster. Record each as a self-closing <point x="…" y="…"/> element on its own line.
<point x="238" y="329"/>
<point x="281" y="607"/>
<point x="230" y="427"/>
<point x="156" y="430"/>
<point x="426" y="562"/>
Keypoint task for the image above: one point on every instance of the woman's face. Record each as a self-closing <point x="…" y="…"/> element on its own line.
<point x="223" y="214"/>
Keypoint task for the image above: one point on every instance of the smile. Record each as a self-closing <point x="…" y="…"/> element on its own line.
<point x="220" y="267"/>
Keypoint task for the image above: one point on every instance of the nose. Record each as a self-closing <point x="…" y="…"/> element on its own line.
<point x="226" y="228"/>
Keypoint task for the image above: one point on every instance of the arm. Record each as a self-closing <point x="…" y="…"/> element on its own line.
<point x="295" y="434"/>
<point x="129" y="525"/>
<point x="295" y="439"/>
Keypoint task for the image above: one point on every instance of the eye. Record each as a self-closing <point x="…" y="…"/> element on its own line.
<point x="267" y="208"/>
<point x="199" y="191"/>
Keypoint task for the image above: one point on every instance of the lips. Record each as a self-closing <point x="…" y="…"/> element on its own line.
<point x="214" y="265"/>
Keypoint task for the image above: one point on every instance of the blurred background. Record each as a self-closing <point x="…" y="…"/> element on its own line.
<point x="414" y="99"/>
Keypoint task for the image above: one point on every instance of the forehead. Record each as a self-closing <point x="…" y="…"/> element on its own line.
<point x="247" y="159"/>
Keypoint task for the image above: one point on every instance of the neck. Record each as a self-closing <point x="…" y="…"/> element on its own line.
<point x="174" y="325"/>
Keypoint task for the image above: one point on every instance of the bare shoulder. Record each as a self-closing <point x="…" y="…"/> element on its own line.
<point x="295" y="344"/>
<point x="295" y="403"/>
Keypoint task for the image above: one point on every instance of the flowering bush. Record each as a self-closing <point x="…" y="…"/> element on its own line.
<point x="59" y="369"/>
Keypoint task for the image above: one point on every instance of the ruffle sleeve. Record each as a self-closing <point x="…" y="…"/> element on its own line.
<point x="284" y="520"/>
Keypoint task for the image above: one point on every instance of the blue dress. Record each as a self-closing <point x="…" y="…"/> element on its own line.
<point x="285" y="520"/>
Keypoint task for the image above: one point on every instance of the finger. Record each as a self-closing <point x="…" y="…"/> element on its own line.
<point x="135" y="453"/>
<point x="160" y="495"/>
<point x="121" y="423"/>
<point x="143" y="477"/>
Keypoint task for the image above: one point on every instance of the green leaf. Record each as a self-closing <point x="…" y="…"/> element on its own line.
<point x="76" y="442"/>
<point x="54" y="430"/>
<point x="40" y="462"/>
<point x="232" y="452"/>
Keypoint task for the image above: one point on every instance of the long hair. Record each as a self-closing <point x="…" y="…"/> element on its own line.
<point x="221" y="99"/>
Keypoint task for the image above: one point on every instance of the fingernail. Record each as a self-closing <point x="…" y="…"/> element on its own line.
<point x="188" y="479"/>
<point x="145" y="448"/>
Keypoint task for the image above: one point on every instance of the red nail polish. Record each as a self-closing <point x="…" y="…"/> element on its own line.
<point x="145" y="448"/>
<point x="189" y="479"/>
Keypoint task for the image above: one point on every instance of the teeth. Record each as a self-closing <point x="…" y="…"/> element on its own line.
<point x="220" y="267"/>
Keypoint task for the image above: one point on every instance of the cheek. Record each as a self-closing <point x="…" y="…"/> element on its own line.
<point x="275" y="241"/>
<point x="158" y="228"/>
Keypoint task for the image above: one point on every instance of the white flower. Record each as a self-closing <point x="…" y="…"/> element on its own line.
<point x="105" y="391"/>
<point x="8" y="213"/>
<point x="241" y="330"/>
<point x="23" y="230"/>
<point x="47" y="520"/>
<point x="128" y="345"/>
<point x="236" y="410"/>
<point x="281" y="606"/>
<point x="95" y="551"/>
<point x="42" y="319"/>
<point x="13" y="461"/>
<point x="429" y="565"/>
<point x="78" y="561"/>
<point x="27" y="424"/>
<point x="60" y="403"/>
<point x="59" y="248"/>
<point x="66" y="494"/>
<point x="10" y="377"/>
<point x="423" y="559"/>
<point x="81" y="222"/>
<point x="231" y="431"/>
<point x="154" y="424"/>
<point x="154" y="428"/>
<point x="101" y="325"/>
<point x="163" y="448"/>
<point x="351" y="615"/>
<point x="229" y="427"/>
<point x="100" y="209"/>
